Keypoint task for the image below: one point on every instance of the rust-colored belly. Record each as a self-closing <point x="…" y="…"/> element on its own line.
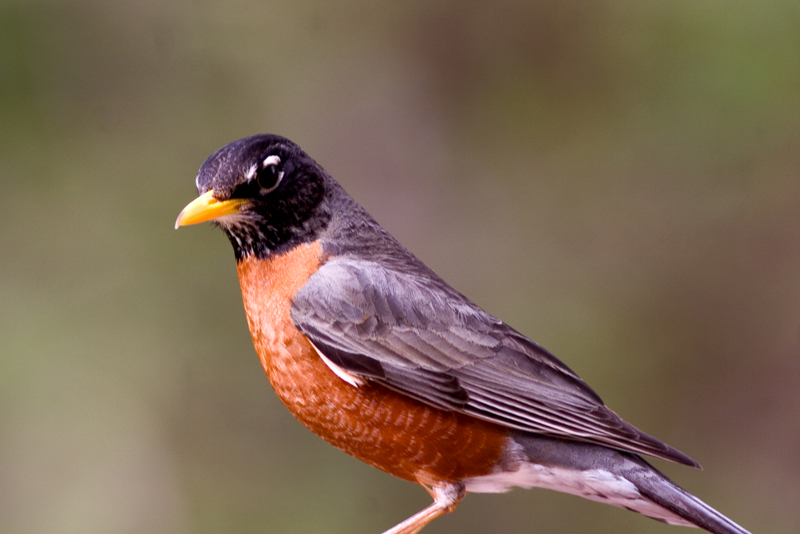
<point x="378" y="426"/>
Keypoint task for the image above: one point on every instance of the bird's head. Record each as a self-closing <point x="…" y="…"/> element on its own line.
<point x="264" y="192"/>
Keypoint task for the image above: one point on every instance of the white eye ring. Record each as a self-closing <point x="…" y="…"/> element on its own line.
<point x="271" y="161"/>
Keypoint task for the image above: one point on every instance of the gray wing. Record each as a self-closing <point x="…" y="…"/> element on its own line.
<point x="416" y="335"/>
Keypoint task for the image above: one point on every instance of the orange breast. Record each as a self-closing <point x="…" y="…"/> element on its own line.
<point x="378" y="426"/>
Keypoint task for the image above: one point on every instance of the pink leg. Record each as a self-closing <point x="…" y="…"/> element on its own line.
<point x="445" y="500"/>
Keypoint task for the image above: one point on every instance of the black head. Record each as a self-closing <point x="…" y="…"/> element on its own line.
<point x="264" y="192"/>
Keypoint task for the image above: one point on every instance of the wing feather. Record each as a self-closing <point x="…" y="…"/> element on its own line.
<point x="416" y="335"/>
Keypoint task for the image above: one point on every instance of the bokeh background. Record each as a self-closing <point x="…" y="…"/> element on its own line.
<point x="618" y="180"/>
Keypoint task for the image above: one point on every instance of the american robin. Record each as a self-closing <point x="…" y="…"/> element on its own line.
<point x="377" y="355"/>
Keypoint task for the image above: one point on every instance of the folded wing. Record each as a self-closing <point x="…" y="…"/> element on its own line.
<point x="418" y="336"/>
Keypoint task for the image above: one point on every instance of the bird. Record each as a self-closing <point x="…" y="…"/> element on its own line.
<point x="373" y="352"/>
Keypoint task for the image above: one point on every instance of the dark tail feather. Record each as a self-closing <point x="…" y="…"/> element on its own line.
<point x="613" y="477"/>
<point x="659" y="489"/>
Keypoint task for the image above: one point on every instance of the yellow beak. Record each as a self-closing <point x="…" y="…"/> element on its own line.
<point x="207" y="208"/>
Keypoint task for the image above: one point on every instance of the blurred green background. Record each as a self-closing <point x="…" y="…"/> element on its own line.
<point x="617" y="180"/>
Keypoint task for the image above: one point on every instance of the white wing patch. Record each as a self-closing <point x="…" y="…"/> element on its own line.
<point x="350" y="378"/>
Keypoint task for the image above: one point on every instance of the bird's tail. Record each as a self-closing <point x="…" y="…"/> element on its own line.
<point x="601" y="474"/>
<point x="662" y="491"/>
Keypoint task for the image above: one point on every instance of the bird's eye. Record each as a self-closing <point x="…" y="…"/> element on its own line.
<point x="269" y="176"/>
